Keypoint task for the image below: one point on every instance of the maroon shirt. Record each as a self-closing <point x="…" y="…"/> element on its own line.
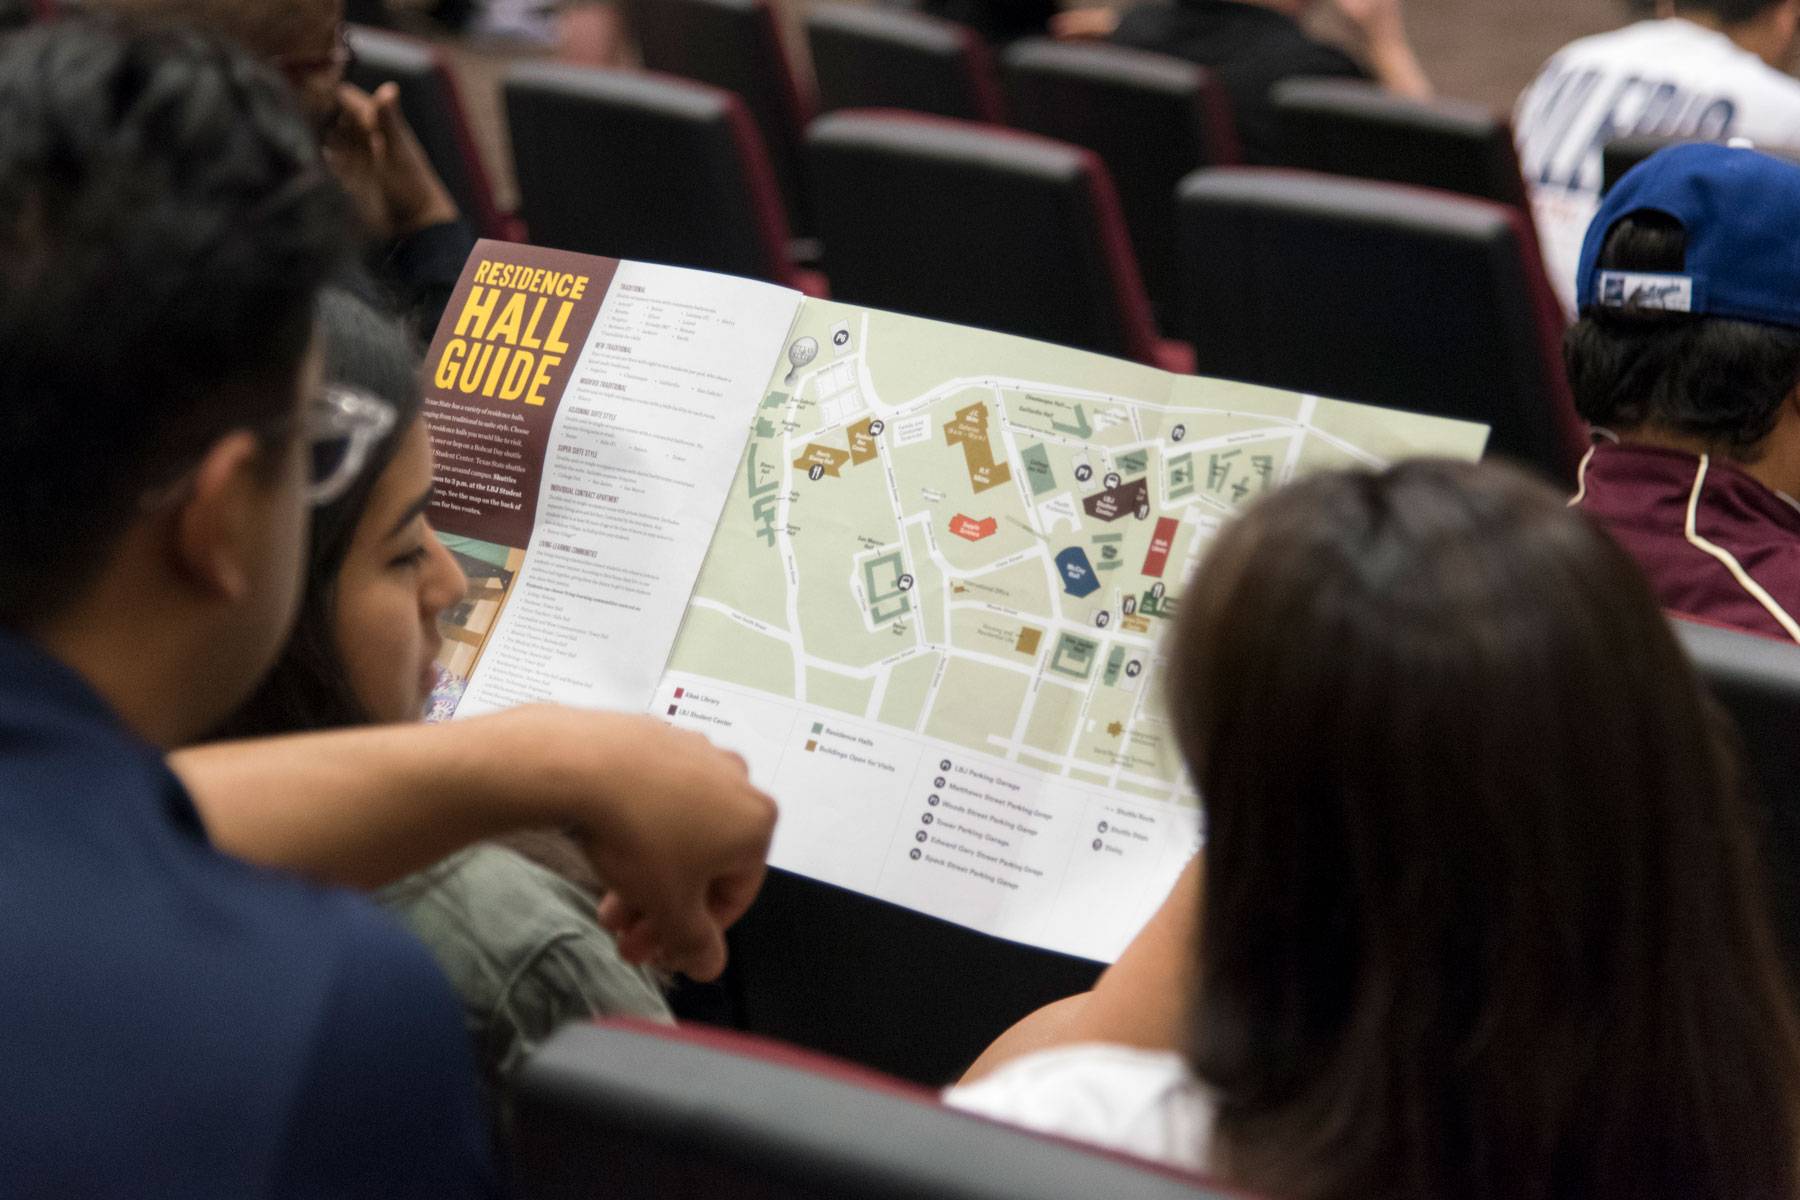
<point x="1738" y="564"/>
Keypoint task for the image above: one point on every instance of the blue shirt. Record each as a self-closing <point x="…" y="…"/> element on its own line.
<point x="176" y="1023"/>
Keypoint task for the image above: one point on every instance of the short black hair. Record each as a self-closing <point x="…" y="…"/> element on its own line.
<point x="1729" y="12"/>
<point x="165" y="227"/>
<point x="1723" y="381"/>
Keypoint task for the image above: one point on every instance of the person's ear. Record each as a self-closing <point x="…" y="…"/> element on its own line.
<point x="219" y="522"/>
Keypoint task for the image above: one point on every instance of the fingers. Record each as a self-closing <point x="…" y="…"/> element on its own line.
<point x="731" y="897"/>
<point x="357" y="107"/>
<point x="385" y="108"/>
<point x="1078" y="23"/>
<point x="690" y="942"/>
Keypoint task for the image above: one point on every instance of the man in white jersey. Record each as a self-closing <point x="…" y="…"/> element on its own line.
<point x="1707" y="70"/>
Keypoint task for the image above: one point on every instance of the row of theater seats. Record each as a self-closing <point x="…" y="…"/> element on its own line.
<point x="1292" y="281"/>
<point x="1301" y="281"/>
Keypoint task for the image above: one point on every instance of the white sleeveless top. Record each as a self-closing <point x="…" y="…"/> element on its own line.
<point x="1140" y="1102"/>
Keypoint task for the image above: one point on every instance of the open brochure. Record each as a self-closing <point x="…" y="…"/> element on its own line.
<point x="917" y="575"/>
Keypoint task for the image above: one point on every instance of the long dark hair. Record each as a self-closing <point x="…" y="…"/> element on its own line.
<point x="1482" y="914"/>
<point x="309" y="688"/>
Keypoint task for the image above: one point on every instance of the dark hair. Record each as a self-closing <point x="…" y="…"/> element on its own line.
<point x="309" y="688"/>
<point x="165" y="226"/>
<point x="1719" y="380"/>
<point x="1728" y="12"/>
<point x="1482" y="915"/>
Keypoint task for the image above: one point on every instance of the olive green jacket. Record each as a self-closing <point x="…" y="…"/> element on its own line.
<point x="523" y="948"/>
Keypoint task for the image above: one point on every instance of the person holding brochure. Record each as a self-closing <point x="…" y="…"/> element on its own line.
<point x="1479" y="913"/>
<point x="521" y="946"/>
<point x="164" y="428"/>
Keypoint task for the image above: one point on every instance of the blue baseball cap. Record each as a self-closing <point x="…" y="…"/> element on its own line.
<point x="1741" y="211"/>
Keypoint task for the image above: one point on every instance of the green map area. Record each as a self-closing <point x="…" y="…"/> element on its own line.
<point x="981" y="539"/>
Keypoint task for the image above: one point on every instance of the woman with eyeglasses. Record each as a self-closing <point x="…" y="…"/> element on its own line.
<point x="522" y="945"/>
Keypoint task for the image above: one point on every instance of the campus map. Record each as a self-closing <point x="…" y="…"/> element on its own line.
<point x="979" y="540"/>
<point x="919" y="576"/>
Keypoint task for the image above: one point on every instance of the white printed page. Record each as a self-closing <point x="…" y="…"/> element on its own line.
<point x="577" y="597"/>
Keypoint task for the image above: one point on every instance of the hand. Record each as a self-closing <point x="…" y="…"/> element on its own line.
<point x="379" y="161"/>
<point x="590" y="34"/>
<point x="672" y="824"/>
<point x="1373" y="20"/>
<point x="1077" y="24"/>
<point x="1391" y="58"/>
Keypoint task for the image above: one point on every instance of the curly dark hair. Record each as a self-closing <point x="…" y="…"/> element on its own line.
<point x="165" y="228"/>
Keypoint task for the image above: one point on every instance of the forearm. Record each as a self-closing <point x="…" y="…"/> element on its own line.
<point x="360" y="807"/>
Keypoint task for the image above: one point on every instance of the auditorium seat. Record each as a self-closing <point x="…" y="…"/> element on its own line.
<point x="1346" y="127"/>
<point x="1621" y="154"/>
<point x="625" y="1111"/>
<point x="888" y="58"/>
<point x="633" y="165"/>
<point x="867" y="1000"/>
<point x="1757" y="680"/>
<point x="433" y="106"/>
<point x="981" y="226"/>
<point x="1151" y="118"/>
<point x="1388" y="295"/>
<point x="736" y="45"/>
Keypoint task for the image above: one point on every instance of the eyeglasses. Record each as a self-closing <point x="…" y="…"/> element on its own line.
<point x="342" y="426"/>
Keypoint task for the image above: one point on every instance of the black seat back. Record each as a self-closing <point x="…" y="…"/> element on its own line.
<point x="1387" y="295"/>
<point x="977" y="225"/>
<point x="1346" y="127"/>
<point x="888" y="58"/>
<point x="632" y="165"/>
<point x="1621" y="154"/>
<point x="1757" y="679"/>
<point x="1152" y="119"/>
<point x="735" y="45"/>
